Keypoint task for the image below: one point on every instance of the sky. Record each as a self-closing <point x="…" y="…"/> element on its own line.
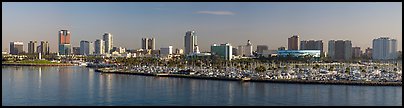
<point x="264" y="23"/>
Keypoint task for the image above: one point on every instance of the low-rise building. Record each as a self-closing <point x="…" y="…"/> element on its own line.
<point x="224" y="51"/>
<point x="299" y="54"/>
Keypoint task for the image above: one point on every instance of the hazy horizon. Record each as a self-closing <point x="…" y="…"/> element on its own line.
<point x="235" y="23"/>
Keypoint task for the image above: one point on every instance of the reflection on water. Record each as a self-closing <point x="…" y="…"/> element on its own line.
<point x="82" y="86"/>
<point x="40" y="77"/>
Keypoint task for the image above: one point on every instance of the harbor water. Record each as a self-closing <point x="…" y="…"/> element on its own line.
<point x="81" y="86"/>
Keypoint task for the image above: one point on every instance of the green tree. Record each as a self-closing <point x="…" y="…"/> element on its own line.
<point x="347" y="70"/>
<point x="260" y="69"/>
<point x="331" y="68"/>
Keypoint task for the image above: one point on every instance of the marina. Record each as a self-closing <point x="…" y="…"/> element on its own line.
<point x="202" y="54"/>
<point x="370" y="77"/>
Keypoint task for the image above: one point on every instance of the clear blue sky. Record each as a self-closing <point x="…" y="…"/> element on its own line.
<point x="235" y="23"/>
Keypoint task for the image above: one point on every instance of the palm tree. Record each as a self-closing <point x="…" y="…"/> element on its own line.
<point x="316" y="66"/>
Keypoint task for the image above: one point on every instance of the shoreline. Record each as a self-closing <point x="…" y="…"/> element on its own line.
<point x="35" y="64"/>
<point x="289" y="81"/>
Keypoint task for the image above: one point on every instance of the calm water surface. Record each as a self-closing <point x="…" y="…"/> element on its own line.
<point x="82" y="86"/>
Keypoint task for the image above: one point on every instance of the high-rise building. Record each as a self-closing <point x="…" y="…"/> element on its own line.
<point x="261" y="48"/>
<point x="44" y="48"/>
<point x="224" y="51"/>
<point x="86" y="47"/>
<point x="249" y="49"/>
<point x="356" y="52"/>
<point x="91" y="48"/>
<point x="144" y="43"/>
<point x="84" y="50"/>
<point x="240" y="50"/>
<point x="368" y="52"/>
<point x="16" y="47"/>
<point x="76" y="50"/>
<point x="166" y="51"/>
<point x="384" y="48"/>
<point x="64" y="42"/>
<point x="340" y="49"/>
<point x="108" y="42"/>
<point x="32" y="47"/>
<point x="151" y="44"/>
<point x="331" y="48"/>
<point x="148" y="43"/>
<point x="293" y="42"/>
<point x="99" y="47"/>
<point x="311" y="45"/>
<point x="190" y="41"/>
<point x="245" y="50"/>
<point x="39" y="48"/>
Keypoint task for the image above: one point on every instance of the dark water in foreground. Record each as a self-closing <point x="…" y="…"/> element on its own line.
<point x="82" y="86"/>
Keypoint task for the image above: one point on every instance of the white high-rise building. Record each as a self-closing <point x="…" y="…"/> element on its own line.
<point x="190" y="42"/>
<point x="108" y="42"/>
<point x="245" y="50"/>
<point x="249" y="49"/>
<point x="91" y="48"/>
<point x="384" y="48"/>
<point x="99" y="47"/>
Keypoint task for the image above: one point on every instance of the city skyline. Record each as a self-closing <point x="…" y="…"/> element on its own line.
<point x="262" y="23"/>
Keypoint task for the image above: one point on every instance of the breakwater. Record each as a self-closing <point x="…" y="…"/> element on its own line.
<point x="359" y="83"/>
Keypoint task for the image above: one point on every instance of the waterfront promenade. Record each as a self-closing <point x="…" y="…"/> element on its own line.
<point x="37" y="64"/>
